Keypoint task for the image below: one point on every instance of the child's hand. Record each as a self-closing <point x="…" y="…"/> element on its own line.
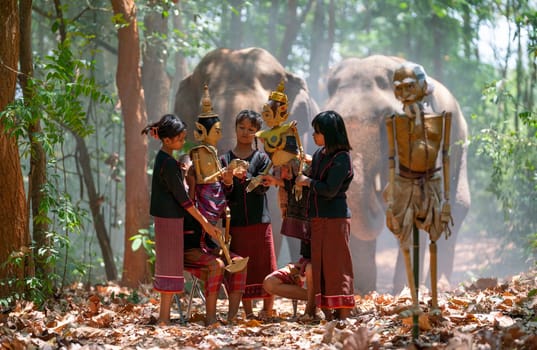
<point x="302" y="180"/>
<point x="269" y="180"/>
<point x="286" y="173"/>
<point x="212" y="231"/>
<point x="240" y="173"/>
<point x="227" y="176"/>
<point x="306" y="158"/>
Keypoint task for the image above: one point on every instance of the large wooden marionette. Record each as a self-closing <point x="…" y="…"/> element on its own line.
<point x="416" y="178"/>
<point x="281" y="141"/>
<point x="206" y="174"/>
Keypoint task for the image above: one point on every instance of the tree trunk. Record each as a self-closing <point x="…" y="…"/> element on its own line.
<point x="181" y="67"/>
<point x="292" y="26"/>
<point x="236" y="26"/>
<point x="155" y="81"/>
<point x="38" y="159"/>
<point x="13" y="210"/>
<point x="84" y="160"/>
<point x="437" y="25"/>
<point x="131" y="95"/>
<point x="322" y="40"/>
<point x="317" y="42"/>
<point x="291" y="30"/>
<point x="272" y="26"/>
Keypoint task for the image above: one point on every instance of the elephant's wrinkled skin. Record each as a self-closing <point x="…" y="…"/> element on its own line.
<point x="243" y="79"/>
<point x="361" y="91"/>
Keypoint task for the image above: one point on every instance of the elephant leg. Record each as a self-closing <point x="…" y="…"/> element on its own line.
<point x="364" y="265"/>
<point x="294" y="248"/>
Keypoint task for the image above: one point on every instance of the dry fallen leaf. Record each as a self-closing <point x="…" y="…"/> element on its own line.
<point x="94" y="305"/>
<point x="501" y="316"/>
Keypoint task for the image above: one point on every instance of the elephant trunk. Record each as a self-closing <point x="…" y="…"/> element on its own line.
<point x="365" y="199"/>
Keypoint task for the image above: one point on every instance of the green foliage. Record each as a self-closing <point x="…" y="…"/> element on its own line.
<point x="59" y="95"/>
<point x="35" y="288"/>
<point x="133" y="298"/>
<point x="513" y="158"/>
<point x="145" y="239"/>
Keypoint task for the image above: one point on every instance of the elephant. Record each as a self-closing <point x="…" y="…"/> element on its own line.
<point x="243" y="79"/>
<point x="361" y="90"/>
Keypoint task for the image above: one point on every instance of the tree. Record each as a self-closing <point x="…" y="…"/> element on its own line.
<point x="156" y="82"/>
<point x="131" y="95"/>
<point x="13" y="209"/>
<point x="38" y="158"/>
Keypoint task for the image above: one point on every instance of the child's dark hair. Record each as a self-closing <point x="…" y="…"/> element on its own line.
<point x="255" y="119"/>
<point x="168" y="126"/>
<point x="331" y="125"/>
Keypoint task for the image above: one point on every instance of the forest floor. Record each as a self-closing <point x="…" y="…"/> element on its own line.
<point x="479" y="313"/>
<point x="486" y="314"/>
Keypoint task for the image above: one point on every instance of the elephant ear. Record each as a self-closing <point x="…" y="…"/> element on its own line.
<point x="302" y="107"/>
<point x="188" y="91"/>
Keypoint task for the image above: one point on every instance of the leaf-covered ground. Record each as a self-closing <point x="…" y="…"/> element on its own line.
<point x="486" y="314"/>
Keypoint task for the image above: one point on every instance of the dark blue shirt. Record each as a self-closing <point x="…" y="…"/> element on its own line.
<point x="331" y="176"/>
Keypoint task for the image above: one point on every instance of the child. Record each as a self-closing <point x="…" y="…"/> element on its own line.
<point x="251" y="230"/>
<point x="330" y="177"/>
<point x="208" y="266"/>
<point x="288" y="281"/>
<point x="169" y="204"/>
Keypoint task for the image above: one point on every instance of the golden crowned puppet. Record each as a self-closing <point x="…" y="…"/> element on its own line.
<point x="205" y="178"/>
<point x="282" y="143"/>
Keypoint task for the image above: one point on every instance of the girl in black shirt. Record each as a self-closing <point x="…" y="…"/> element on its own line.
<point x="169" y="203"/>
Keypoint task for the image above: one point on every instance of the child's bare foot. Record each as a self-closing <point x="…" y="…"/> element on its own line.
<point x="266" y="315"/>
<point x="328" y="314"/>
<point x="342" y="314"/>
<point x="309" y="319"/>
<point x="162" y="323"/>
<point x="210" y="321"/>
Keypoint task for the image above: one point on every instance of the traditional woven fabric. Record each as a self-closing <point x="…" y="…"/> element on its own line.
<point x="169" y="255"/>
<point x="255" y="241"/>
<point x="296" y="227"/>
<point x="210" y="269"/>
<point x="293" y="273"/>
<point x="417" y="201"/>
<point x="211" y="200"/>
<point x="330" y="247"/>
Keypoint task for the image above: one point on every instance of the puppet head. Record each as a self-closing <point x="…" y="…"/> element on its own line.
<point x="275" y="110"/>
<point x="208" y="127"/>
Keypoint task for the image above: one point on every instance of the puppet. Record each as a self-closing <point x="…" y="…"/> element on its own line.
<point x="417" y="181"/>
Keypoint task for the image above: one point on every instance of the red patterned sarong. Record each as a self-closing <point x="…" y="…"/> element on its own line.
<point x="255" y="241"/>
<point x="293" y="273"/>
<point x="210" y="269"/>
<point x="169" y="255"/>
<point x="332" y="263"/>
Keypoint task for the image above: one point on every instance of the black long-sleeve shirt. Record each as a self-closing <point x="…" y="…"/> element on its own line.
<point x="248" y="208"/>
<point x="169" y="198"/>
<point x="331" y="176"/>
